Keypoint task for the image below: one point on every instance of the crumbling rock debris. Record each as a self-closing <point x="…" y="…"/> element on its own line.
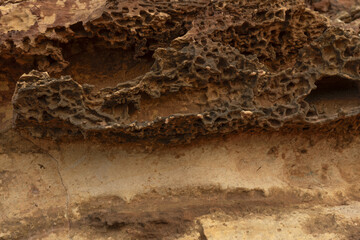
<point x="208" y="67"/>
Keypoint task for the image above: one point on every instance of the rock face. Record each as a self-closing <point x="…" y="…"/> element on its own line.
<point x="179" y="119"/>
<point x="222" y="66"/>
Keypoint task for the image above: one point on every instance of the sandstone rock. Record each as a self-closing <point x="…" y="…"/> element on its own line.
<point x="187" y="119"/>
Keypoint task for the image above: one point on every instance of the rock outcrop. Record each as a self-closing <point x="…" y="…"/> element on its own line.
<point x="218" y="67"/>
<point x="112" y="76"/>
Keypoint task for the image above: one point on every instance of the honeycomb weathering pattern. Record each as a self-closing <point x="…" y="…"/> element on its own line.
<point x="218" y="67"/>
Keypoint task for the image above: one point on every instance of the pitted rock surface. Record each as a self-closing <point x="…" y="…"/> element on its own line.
<point x="179" y="119"/>
<point x="172" y="71"/>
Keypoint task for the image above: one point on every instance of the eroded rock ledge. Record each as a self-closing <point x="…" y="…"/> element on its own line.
<point x="135" y="75"/>
<point x="171" y="71"/>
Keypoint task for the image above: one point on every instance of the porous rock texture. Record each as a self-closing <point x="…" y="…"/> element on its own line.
<point x="188" y="119"/>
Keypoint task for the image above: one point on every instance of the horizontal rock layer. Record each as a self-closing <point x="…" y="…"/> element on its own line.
<point x="174" y="71"/>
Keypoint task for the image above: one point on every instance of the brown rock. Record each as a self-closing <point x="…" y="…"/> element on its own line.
<point x="188" y="119"/>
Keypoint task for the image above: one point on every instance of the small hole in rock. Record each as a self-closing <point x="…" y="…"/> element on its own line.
<point x="334" y="94"/>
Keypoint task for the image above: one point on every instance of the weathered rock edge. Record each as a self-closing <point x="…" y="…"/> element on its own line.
<point x="220" y="66"/>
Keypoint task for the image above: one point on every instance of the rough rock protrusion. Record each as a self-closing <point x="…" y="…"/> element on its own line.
<point x="217" y="67"/>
